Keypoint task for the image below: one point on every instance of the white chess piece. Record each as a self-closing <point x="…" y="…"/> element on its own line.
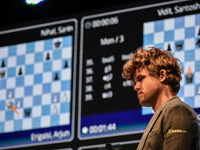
<point x="198" y="92"/>
<point x="19" y="103"/>
<point x="10" y="94"/>
<point x="55" y="98"/>
<point x="55" y="109"/>
<point x="64" y="97"/>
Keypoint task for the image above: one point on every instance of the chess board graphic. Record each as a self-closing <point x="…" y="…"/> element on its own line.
<point x="35" y="84"/>
<point x="181" y="36"/>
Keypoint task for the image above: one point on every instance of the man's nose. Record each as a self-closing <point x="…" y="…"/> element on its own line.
<point x="137" y="86"/>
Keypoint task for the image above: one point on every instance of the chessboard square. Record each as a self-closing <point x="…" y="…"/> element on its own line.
<point x="197" y="65"/>
<point x="45" y="121"/>
<point x="28" y="102"/>
<point x="17" y="125"/>
<point x="180" y="55"/>
<point x="2" y="84"/>
<point x="37" y="100"/>
<point x="57" y="54"/>
<point x="20" y="115"/>
<point x="37" y="78"/>
<point x="12" y="61"/>
<point x="29" y="69"/>
<point x="56" y="86"/>
<point x="160" y="45"/>
<point x="67" y="63"/>
<point x="27" y="124"/>
<point x="2" y="93"/>
<point x="148" y="28"/>
<point x="47" y="77"/>
<point x="197" y="20"/>
<point x="68" y="41"/>
<point x="11" y="83"/>
<point x="64" y="119"/>
<point x="159" y="37"/>
<point x="57" y="43"/>
<point x="66" y="85"/>
<point x="9" y="126"/>
<point x="67" y="52"/>
<point x="189" y="101"/>
<point x="9" y="115"/>
<point x="189" y="55"/>
<point x="36" y="123"/>
<point x="190" y="32"/>
<point x="39" y="57"/>
<point x="148" y="39"/>
<point x="36" y="111"/>
<point x="179" y="22"/>
<point x="30" y="47"/>
<point x="46" y="110"/>
<point x="159" y="26"/>
<point x="169" y="24"/>
<point x="38" y="68"/>
<point x="179" y="34"/>
<point x="37" y="89"/>
<point x="2" y="105"/>
<point x="48" y="44"/>
<point x="66" y="74"/>
<point x="57" y="65"/>
<point x="47" y="66"/>
<point x="21" y="49"/>
<point x="182" y="82"/>
<point x="28" y="90"/>
<point x="46" y="99"/>
<point x="2" y="114"/>
<point x="189" y="90"/>
<point x="19" y="92"/>
<point x="55" y="120"/>
<point x="169" y="36"/>
<point x="190" y="44"/>
<point x="11" y="72"/>
<point x="3" y="52"/>
<point x="2" y="127"/>
<point x="28" y="80"/>
<point x="39" y="46"/>
<point x="190" y="21"/>
<point x="197" y="101"/>
<point x="190" y="64"/>
<point x="46" y="88"/>
<point x="21" y="60"/>
<point x="29" y="58"/>
<point x="19" y="81"/>
<point x="147" y="110"/>
<point x="12" y="50"/>
<point x="197" y="77"/>
<point x="65" y="107"/>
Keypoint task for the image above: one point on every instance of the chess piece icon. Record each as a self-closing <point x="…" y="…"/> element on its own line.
<point x="57" y="44"/>
<point x="48" y="56"/>
<point x="19" y="104"/>
<point x="198" y="43"/>
<point x="189" y="75"/>
<point x="20" y="72"/>
<point x="55" y="109"/>
<point x="64" y="99"/>
<point x="27" y="112"/>
<point x="169" y="47"/>
<point x="179" y="45"/>
<point x="3" y="64"/>
<point x="10" y="94"/>
<point x="198" y="32"/>
<point x="55" y="100"/>
<point x="56" y="76"/>
<point x="66" y="64"/>
<point x="3" y="73"/>
<point x="198" y="92"/>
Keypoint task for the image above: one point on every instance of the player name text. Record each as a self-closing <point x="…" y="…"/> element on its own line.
<point x="49" y="135"/>
<point x="56" y="30"/>
<point x="178" y="9"/>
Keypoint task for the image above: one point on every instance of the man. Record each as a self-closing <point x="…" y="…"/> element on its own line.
<point x="156" y="76"/>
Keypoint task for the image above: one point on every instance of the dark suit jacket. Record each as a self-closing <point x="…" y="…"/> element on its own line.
<point x="174" y="126"/>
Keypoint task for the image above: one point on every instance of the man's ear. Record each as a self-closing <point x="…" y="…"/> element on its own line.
<point x="163" y="75"/>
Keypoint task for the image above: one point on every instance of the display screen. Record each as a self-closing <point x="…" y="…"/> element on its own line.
<point x="61" y="84"/>
<point x="37" y="85"/>
<point x="108" y="103"/>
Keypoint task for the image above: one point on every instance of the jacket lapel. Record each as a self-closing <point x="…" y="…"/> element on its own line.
<point x="151" y="124"/>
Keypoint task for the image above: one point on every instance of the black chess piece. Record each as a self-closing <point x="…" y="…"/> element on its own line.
<point x="3" y="64"/>
<point x="198" y="42"/>
<point x="27" y="112"/>
<point x="199" y="32"/>
<point x="169" y="47"/>
<point x="56" y="76"/>
<point x="66" y="64"/>
<point x="20" y="72"/>
<point x="57" y="44"/>
<point x="47" y="56"/>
